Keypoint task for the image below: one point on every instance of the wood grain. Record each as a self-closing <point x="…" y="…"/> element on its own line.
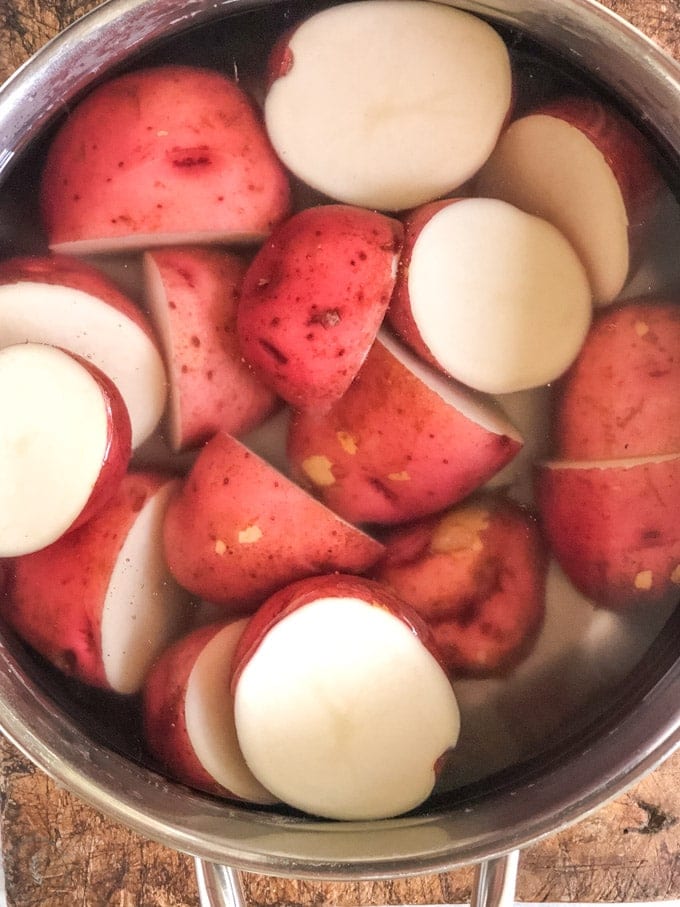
<point x="59" y="852"/>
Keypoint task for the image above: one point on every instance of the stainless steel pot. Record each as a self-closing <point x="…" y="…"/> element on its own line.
<point x="483" y="822"/>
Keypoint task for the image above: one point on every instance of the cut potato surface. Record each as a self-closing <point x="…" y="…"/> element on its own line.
<point x="209" y="717"/>
<point x="55" y="440"/>
<point x="342" y="711"/>
<point x="389" y="104"/>
<point x="92" y="328"/>
<point x="497" y="296"/>
<point x="143" y="608"/>
<point x="98" y="603"/>
<point x="550" y="168"/>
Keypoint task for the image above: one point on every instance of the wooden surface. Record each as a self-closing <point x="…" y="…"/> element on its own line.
<point x="59" y="852"/>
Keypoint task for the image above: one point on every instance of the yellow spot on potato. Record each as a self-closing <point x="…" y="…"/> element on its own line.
<point x="460" y="530"/>
<point x="162" y="132"/>
<point x="319" y="469"/>
<point x="220" y="547"/>
<point x="643" y="580"/>
<point x="347" y="442"/>
<point x="249" y="535"/>
<point x="675" y="575"/>
<point x="641" y="328"/>
<point x="402" y="476"/>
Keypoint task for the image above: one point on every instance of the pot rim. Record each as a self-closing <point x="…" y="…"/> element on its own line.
<point x="257" y="840"/>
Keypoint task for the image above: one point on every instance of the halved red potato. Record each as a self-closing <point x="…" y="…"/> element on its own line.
<point x="492" y="296"/>
<point x="621" y="397"/>
<point x="401" y="443"/>
<point x="239" y="529"/>
<point x="193" y="295"/>
<point x="67" y="303"/>
<point x="99" y="603"/>
<point x="583" y="166"/>
<point x="314" y="297"/>
<point x="191" y="163"/>
<point x="388" y="104"/>
<point x="613" y="526"/>
<point x="340" y="703"/>
<point x="188" y="713"/>
<point x="64" y="445"/>
<point x="476" y="574"/>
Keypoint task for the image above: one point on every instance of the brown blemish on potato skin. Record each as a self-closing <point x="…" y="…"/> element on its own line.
<point x="460" y="530"/>
<point x="644" y="580"/>
<point x="319" y="469"/>
<point x="348" y="442"/>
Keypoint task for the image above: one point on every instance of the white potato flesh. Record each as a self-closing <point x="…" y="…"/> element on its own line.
<point x="144" y="606"/>
<point x="550" y="168"/>
<point x="97" y="331"/>
<point x="498" y="296"/>
<point x="209" y="717"/>
<point x="139" y="242"/>
<point x="475" y="407"/>
<point x="53" y="443"/>
<point x="342" y="712"/>
<point x="389" y="103"/>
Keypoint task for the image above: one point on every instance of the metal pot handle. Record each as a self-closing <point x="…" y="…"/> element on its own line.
<point x="221" y="886"/>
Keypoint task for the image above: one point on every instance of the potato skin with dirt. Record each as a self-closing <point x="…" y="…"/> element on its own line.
<point x="613" y="527"/>
<point x="476" y="574"/>
<point x="314" y="298"/>
<point x="621" y="397"/>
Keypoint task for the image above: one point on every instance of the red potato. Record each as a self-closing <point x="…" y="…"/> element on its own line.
<point x="67" y="303"/>
<point x="477" y="575"/>
<point x="340" y="703"/>
<point x="191" y="163"/>
<point x="621" y="397"/>
<point x="613" y="526"/>
<point x="99" y="603"/>
<point x="401" y="443"/>
<point x="492" y="296"/>
<point x="239" y="529"/>
<point x="314" y="298"/>
<point x="64" y="445"/>
<point x="193" y="295"/>
<point x="188" y="714"/>
<point x="584" y="167"/>
<point x="423" y="95"/>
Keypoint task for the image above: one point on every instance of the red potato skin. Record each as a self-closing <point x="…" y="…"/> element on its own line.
<point x="314" y="298"/>
<point x="621" y="397"/>
<point x="476" y="575"/>
<point x="239" y="530"/>
<point x="64" y="271"/>
<point x="614" y="530"/>
<point x="214" y="388"/>
<point x="190" y="154"/>
<point x="118" y="447"/>
<point x="393" y="449"/>
<point x="303" y="592"/>
<point x="56" y="595"/>
<point x="165" y="729"/>
<point x="399" y="314"/>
